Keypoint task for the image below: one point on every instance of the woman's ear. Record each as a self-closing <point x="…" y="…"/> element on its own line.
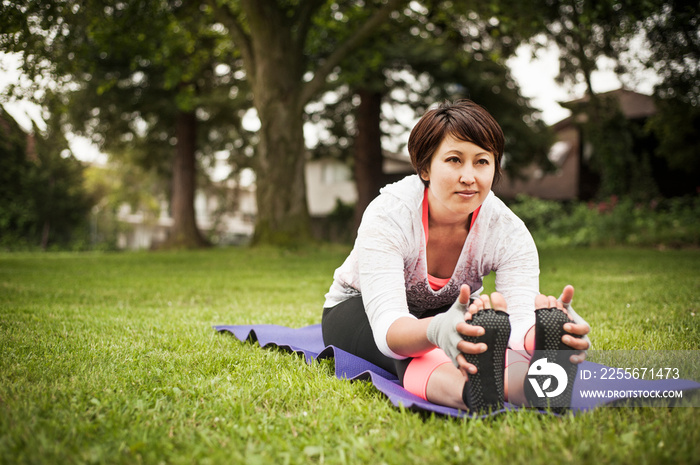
<point x="425" y="175"/>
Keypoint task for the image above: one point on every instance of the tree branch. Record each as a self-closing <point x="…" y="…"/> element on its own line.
<point x="303" y="18"/>
<point x="240" y="38"/>
<point x="362" y="33"/>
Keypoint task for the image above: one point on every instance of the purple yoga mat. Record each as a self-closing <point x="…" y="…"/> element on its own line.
<point x="309" y="342"/>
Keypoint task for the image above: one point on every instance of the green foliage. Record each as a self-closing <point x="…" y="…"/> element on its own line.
<point x="676" y="128"/>
<point x="437" y="51"/>
<point x="43" y="202"/>
<point x="124" y="70"/>
<point x="337" y="226"/>
<point x="111" y="358"/>
<point x="586" y="30"/>
<point x="16" y="213"/>
<point x="674" y="46"/>
<point x="142" y="80"/>
<point x="135" y="66"/>
<point x="663" y="223"/>
<point x="623" y="163"/>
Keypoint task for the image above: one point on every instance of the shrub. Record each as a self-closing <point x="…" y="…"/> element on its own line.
<point x="663" y="223"/>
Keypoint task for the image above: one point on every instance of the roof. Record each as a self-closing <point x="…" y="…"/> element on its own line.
<point x="632" y="104"/>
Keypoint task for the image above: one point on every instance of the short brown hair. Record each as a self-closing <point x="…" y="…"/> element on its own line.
<point x="463" y="120"/>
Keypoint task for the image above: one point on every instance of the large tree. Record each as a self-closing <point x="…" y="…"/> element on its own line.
<point x="437" y="51"/>
<point x="272" y="36"/>
<point x="139" y="78"/>
<point x="673" y="40"/>
<point x="587" y="30"/>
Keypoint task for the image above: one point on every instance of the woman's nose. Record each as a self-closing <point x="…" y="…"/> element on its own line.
<point x="466" y="175"/>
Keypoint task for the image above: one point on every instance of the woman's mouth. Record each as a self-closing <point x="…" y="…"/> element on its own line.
<point x="467" y="194"/>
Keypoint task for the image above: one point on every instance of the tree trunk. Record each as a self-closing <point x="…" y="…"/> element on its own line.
<point x="272" y="45"/>
<point x="45" y="234"/>
<point x="46" y="229"/>
<point x="283" y="216"/>
<point x="369" y="175"/>
<point x="184" y="232"/>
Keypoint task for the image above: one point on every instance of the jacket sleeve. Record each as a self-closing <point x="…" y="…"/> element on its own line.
<point x="517" y="279"/>
<point x="381" y="245"/>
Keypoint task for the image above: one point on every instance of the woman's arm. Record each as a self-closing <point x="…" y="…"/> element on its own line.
<point x="412" y="337"/>
<point x="408" y="337"/>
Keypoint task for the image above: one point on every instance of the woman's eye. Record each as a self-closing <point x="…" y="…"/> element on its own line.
<point x="482" y="161"/>
<point x="453" y="160"/>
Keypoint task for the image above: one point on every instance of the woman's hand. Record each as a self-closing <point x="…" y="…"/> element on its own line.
<point x="581" y="329"/>
<point x="446" y="331"/>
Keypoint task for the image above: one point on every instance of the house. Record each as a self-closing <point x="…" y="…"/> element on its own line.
<point x="329" y="181"/>
<point x="140" y="230"/>
<point x="572" y="177"/>
<point x="331" y="194"/>
<point x="225" y="212"/>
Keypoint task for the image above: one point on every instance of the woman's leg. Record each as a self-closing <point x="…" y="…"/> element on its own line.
<point x="517" y="364"/>
<point x="347" y="327"/>
<point x="446" y="387"/>
<point x="431" y="376"/>
<point x="446" y="384"/>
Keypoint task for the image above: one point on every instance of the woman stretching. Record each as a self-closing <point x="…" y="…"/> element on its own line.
<point x="407" y="298"/>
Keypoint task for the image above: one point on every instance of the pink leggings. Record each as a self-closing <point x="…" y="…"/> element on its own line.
<point x="420" y="368"/>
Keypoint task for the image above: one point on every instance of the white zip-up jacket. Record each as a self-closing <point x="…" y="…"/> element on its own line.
<point x="388" y="266"/>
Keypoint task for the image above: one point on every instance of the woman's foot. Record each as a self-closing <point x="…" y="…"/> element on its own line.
<point x="552" y="369"/>
<point x="484" y="389"/>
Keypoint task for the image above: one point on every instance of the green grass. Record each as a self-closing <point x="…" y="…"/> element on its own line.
<point x="111" y="358"/>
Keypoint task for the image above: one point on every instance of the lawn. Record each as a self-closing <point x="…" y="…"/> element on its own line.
<point x="111" y="358"/>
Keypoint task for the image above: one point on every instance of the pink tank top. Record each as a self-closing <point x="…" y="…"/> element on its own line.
<point x="438" y="283"/>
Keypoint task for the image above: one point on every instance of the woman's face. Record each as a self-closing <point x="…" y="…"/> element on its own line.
<point x="460" y="174"/>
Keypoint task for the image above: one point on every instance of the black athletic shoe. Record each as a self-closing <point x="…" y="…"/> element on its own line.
<point x="484" y="390"/>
